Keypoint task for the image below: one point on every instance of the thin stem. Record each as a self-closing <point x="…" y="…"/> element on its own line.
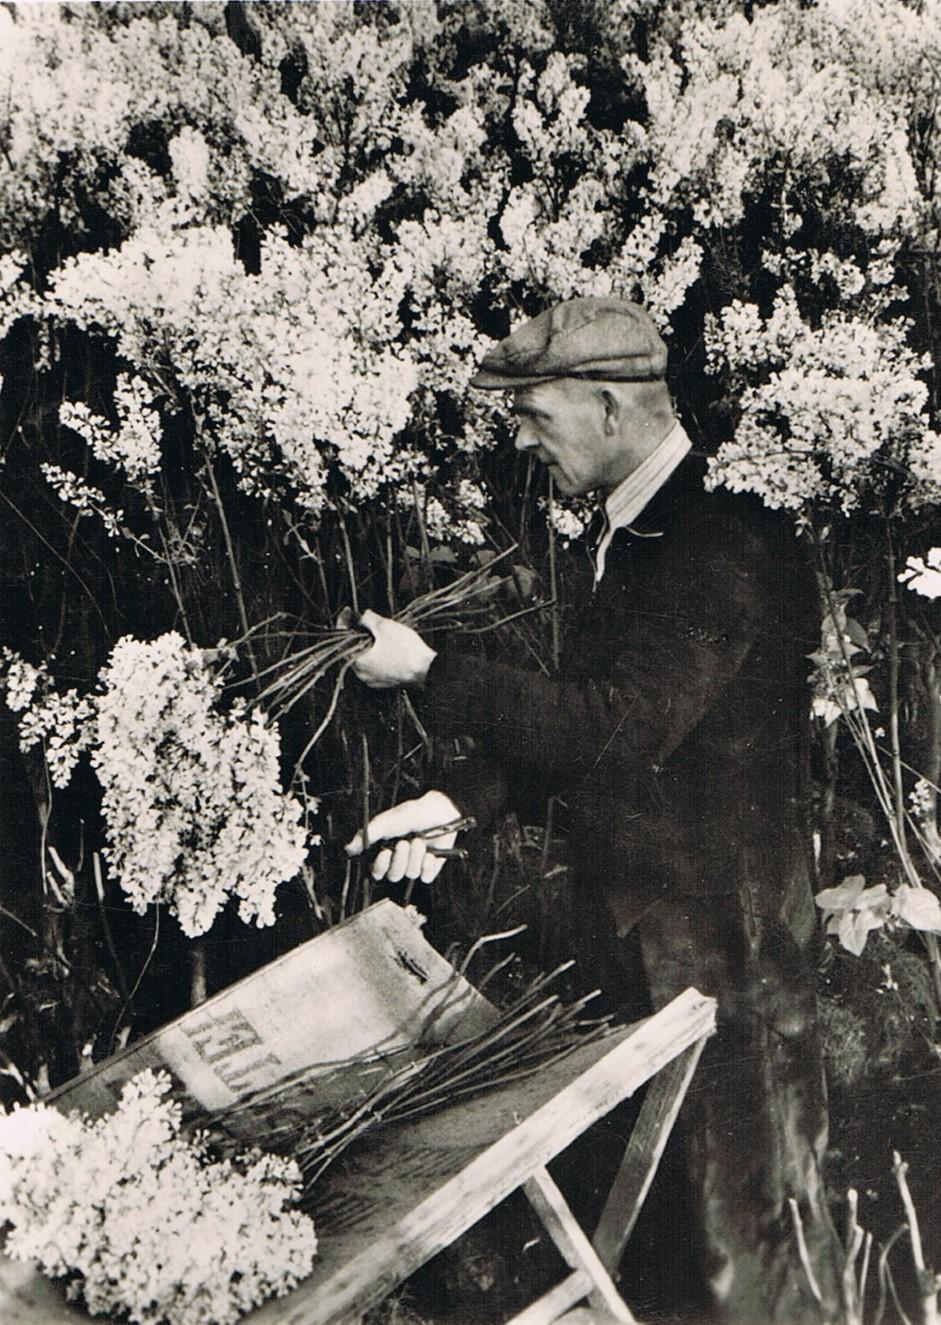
<point x="167" y="559"/>
<point x="29" y="930"/>
<point x="514" y="616"/>
<point x="128" y="1002"/>
<point x="927" y="1288"/>
<point x="198" y="986"/>
<point x="366" y="876"/>
<point x="884" y="1275"/>
<point x="890" y="1277"/>
<point x="106" y="924"/>
<point x="337" y="689"/>
<point x="803" y="1252"/>
<point x="65" y="562"/>
<point x="855" y="1238"/>
<point x="422" y="531"/>
<point x="230" y="552"/>
<point x="864" y="1275"/>
<point x="892" y="624"/>
<point x="350" y="564"/>
<point x="553" y="580"/>
<point x="390" y="584"/>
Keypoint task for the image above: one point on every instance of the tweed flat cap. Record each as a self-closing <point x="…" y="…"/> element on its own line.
<point x="604" y="339"/>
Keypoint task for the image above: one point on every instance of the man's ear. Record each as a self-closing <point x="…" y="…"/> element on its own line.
<point x="612" y="410"/>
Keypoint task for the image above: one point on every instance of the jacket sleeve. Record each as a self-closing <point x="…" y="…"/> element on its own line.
<point x="679" y="642"/>
<point x="478" y="783"/>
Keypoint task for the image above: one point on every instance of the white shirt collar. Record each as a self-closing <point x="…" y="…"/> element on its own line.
<point x="625" y="503"/>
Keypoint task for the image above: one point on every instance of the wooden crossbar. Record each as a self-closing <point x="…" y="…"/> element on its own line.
<point x="567" y="1234"/>
<point x="593" y="1272"/>
<point x="552" y="1305"/>
<point x="642" y="1156"/>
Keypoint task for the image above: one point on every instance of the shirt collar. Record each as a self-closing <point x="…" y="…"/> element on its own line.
<point x="629" y="498"/>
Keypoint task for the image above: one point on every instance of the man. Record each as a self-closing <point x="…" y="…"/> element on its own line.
<point x="674" y="734"/>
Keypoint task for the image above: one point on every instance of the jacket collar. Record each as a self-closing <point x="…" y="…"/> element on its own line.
<point x="634" y="494"/>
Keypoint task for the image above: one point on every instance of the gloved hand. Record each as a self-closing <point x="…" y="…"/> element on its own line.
<point x="399" y="656"/>
<point x="411" y="857"/>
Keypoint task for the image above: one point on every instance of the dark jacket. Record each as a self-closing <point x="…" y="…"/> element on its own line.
<point x="674" y="731"/>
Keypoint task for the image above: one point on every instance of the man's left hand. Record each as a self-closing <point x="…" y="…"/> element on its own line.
<point x="399" y="656"/>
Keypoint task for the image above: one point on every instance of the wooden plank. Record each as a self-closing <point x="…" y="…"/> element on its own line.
<point x="27" y="1297"/>
<point x="418" y="1187"/>
<point x="642" y="1156"/>
<point x="413" y="1188"/>
<point x="365" y="989"/>
<point x="551" y="1305"/>
<point x="564" y="1229"/>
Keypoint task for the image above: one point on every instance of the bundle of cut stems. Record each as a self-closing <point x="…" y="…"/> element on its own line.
<point x="454" y="606"/>
<point x="536" y="1030"/>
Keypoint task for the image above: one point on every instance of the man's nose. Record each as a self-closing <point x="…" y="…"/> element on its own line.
<point x="524" y="440"/>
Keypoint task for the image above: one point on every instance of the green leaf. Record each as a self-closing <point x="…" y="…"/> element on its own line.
<point x="845" y="897"/>
<point x="863" y="695"/>
<point x="826" y="709"/>
<point x="856" y="633"/>
<point x="854" y="929"/>
<point x="918" y="907"/>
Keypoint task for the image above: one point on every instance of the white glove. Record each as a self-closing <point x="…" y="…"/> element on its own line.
<point x="399" y="656"/>
<point x="412" y="857"/>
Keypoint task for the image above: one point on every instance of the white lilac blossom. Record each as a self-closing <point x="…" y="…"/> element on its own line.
<point x="546" y="244"/>
<point x="788" y="90"/>
<point x="190" y="157"/>
<point x="21" y="680"/>
<point x="58" y="721"/>
<point x="570" y="520"/>
<point x="142" y="1219"/>
<point x="17" y="298"/>
<point x="826" y="412"/>
<point x="781" y="105"/>
<point x="355" y="72"/>
<point x="290" y="371"/>
<point x="134" y="445"/>
<point x="923" y="574"/>
<point x="323" y="372"/>
<point x="922" y="799"/>
<point x="549" y="111"/>
<point x="550" y="223"/>
<point x="60" y="724"/>
<point x="75" y="83"/>
<point x="192" y="802"/>
<point x="438" y="160"/>
<point x="464" y="523"/>
<point x="664" y="288"/>
<point x="83" y="496"/>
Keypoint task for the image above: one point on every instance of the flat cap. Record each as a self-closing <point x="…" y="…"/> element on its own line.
<point x="604" y="339"/>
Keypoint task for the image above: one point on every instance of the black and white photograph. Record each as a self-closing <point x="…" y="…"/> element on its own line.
<point x="470" y="662"/>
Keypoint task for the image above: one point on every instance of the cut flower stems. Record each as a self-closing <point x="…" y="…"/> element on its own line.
<point x="466" y="604"/>
<point x="536" y="1029"/>
<point x="454" y="606"/>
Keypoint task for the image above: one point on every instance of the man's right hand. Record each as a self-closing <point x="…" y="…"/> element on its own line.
<point x="412" y="856"/>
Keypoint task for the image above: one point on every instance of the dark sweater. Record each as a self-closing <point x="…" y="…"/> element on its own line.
<point x="674" y="731"/>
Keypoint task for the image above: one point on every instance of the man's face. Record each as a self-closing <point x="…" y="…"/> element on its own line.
<point x="562" y="424"/>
